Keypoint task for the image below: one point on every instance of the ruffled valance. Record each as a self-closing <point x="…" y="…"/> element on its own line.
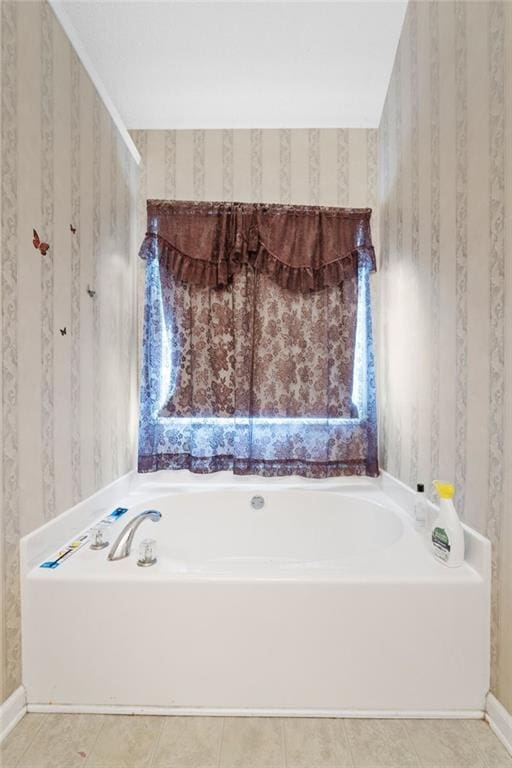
<point x="301" y="248"/>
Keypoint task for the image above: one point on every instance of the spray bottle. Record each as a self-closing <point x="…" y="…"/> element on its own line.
<point x="447" y="534"/>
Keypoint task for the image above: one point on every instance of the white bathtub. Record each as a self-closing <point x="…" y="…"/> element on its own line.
<point x="326" y="601"/>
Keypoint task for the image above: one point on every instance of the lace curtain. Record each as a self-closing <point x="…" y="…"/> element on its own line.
<point x="257" y="352"/>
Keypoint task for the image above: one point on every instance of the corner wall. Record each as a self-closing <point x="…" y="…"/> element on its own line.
<point x="68" y="399"/>
<point x="445" y="198"/>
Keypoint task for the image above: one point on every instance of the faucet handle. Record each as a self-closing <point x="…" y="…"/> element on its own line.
<point x="147" y="553"/>
<point x="98" y="540"/>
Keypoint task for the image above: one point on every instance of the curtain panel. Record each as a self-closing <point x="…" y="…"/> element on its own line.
<point x="257" y="351"/>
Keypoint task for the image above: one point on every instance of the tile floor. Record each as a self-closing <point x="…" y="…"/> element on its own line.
<point x="114" y="741"/>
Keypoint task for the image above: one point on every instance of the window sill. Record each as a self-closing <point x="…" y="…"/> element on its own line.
<point x="221" y="421"/>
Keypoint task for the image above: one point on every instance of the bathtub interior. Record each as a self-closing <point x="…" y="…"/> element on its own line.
<point x="348" y="528"/>
<point x="293" y="525"/>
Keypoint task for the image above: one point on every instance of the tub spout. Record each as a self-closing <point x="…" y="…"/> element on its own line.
<point x="123" y="544"/>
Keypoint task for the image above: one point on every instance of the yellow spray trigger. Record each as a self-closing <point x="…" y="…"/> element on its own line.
<point x="444" y="490"/>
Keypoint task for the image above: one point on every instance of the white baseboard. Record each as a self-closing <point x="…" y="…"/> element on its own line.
<point x="11" y="711"/>
<point x="500" y="721"/>
<point x="462" y="714"/>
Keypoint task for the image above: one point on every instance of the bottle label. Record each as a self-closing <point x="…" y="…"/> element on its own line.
<point x="441" y="543"/>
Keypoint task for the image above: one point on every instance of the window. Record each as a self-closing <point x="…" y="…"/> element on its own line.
<point x="258" y="374"/>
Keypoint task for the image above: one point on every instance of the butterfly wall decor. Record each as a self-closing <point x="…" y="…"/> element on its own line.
<point x="63" y="331"/>
<point x="38" y="244"/>
<point x="72" y="228"/>
<point x="91" y="292"/>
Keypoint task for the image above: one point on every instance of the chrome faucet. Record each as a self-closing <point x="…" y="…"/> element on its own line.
<point x="125" y="538"/>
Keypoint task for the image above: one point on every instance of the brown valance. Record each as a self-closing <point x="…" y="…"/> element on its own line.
<point x="300" y="247"/>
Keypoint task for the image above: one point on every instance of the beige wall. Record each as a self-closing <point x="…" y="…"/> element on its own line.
<point x="445" y="155"/>
<point x="329" y="167"/>
<point x="68" y="401"/>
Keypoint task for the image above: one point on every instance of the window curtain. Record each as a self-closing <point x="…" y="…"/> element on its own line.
<point x="257" y="345"/>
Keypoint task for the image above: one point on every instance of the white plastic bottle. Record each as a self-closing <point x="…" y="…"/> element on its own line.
<point x="447" y="535"/>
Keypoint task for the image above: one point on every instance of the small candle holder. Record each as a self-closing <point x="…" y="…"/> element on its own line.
<point x="147" y="553"/>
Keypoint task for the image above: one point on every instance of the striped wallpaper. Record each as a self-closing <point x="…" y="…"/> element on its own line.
<point x="327" y="166"/>
<point x="445" y="194"/>
<point x="68" y="400"/>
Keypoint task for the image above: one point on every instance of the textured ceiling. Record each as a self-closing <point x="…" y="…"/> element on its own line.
<point x="240" y="65"/>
